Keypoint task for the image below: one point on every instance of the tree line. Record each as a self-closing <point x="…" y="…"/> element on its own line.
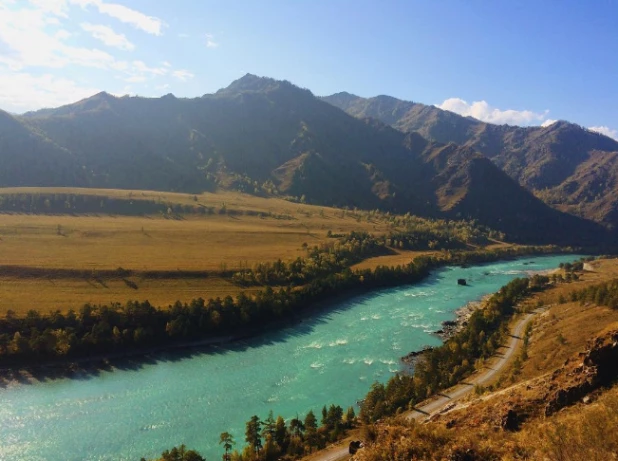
<point x="132" y="205"/>
<point x="444" y="366"/>
<point x="271" y="438"/>
<point x="603" y="294"/>
<point x="440" y="368"/>
<point x="119" y="328"/>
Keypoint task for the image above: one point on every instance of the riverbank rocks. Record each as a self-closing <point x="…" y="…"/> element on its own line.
<point x="415" y="356"/>
<point x="462" y="282"/>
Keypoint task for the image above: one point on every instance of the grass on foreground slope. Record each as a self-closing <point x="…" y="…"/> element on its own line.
<point x="479" y="429"/>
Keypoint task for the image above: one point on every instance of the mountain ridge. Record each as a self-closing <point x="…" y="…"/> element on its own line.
<point x="261" y="135"/>
<point x="546" y="160"/>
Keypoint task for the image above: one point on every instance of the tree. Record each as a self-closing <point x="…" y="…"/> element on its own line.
<point x="268" y="425"/>
<point x="252" y="433"/>
<point x="228" y="442"/>
<point x="281" y="432"/>
<point x="350" y="416"/>
<point x="181" y="454"/>
<point x="297" y="427"/>
<point x="311" y="430"/>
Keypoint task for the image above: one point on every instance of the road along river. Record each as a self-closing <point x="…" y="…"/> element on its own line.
<point x="332" y="357"/>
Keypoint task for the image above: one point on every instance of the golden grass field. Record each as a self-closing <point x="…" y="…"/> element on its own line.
<point x="209" y="243"/>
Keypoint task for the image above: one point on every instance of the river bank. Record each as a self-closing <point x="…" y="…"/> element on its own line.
<point x="449" y="329"/>
<point x="92" y="364"/>
<point x="149" y="405"/>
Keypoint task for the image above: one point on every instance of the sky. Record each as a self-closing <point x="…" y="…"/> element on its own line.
<point x="515" y="62"/>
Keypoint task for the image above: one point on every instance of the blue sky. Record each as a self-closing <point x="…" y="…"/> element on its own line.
<point x="517" y="62"/>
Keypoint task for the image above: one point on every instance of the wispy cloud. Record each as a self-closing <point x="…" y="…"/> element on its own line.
<point x="183" y="75"/>
<point x="548" y="122"/>
<point x="140" y="66"/>
<point x="481" y="110"/>
<point x="55" y="7"/>
<point x="23" y="91"/>
<point x="28" y="43"/>
<point x="137" y="19"/>
<point x="107" y="36"/>
<point x="210" y="41"/>
<point x="606" y="131"/>
<point x="42" y="61"/>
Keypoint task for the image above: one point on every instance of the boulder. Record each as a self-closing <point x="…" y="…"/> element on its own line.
<point x="509" y="421"/>
<point x="354" y="446"/>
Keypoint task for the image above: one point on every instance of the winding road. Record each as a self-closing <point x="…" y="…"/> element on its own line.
<point x="445" y="401"/>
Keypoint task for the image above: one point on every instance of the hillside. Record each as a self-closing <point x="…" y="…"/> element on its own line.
<point x="556" y="401"/>
<point x="27" y="156"/>
<point x="268" y="137"/>
<point x="563" y="163"/>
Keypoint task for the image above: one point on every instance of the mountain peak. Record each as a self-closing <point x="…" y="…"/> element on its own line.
<point x="251" y="82"/>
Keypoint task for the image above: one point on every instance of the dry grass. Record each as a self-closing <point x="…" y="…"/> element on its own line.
<point x="45" y="295"/>
<point x="564" y="329"/>
<point x="209" y="243"/>
<point x="581" y="431"/>
<point x="400" y="257"/>
<point x="141" y="243"/>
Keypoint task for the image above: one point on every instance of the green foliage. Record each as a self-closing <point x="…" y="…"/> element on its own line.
<point x="117" y="328"/>
<point x="446" y="365"/>
<point x="180" y="454"/>
<point x="227" y="441"/>
<point x="603" y="294"/>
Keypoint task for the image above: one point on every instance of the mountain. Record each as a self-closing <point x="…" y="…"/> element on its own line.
<point x="569" y="167"/>
<point x="27" y="157"/>
<point x="266" y="136"/>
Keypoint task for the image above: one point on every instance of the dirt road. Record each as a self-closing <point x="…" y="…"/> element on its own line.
<point x="444" y="401"/>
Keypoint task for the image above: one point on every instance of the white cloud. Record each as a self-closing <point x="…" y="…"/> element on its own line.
<point x="23" y="92"/>
<point x="63" y="34"/>
<point x="108" y="36"/>
<point x="548" y="122"/>
<point x="210" y="41"/>
<point x="484" y="112"/>
<point x="28" y="43"/>
<point x="141" y="67"/>
<point x="183" y="75"/>
<point x="606" y="131"/>
<point x="56" y="7"/>
<point x="41" y="63"/>
<point x="141" y="21"/>
<point x="135" y="79"/>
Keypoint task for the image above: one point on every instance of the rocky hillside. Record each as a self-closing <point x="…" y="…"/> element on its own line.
<point x="569" y="167"/>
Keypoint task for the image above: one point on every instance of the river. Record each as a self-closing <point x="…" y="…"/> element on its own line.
<point x="332" y="357"/>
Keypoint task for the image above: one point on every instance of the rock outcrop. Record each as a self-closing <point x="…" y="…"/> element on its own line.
<point x="593" y="368"/>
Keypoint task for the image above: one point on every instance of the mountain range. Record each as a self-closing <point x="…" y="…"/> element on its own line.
<point x="265" y="136"/>
<point x="567" y="166"/>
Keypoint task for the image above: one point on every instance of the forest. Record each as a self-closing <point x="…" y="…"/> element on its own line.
<point x="439" y="369"/>
<point x="116" y="328"/>
<point x="271" y="438"/>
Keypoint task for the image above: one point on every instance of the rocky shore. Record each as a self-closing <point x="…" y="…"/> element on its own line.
<point x="448" y="330"/>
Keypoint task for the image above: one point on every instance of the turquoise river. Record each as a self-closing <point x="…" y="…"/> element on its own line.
<point x="332" y="357"/>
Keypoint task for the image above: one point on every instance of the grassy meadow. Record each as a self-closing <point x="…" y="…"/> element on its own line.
<point x="251" y="230"/>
